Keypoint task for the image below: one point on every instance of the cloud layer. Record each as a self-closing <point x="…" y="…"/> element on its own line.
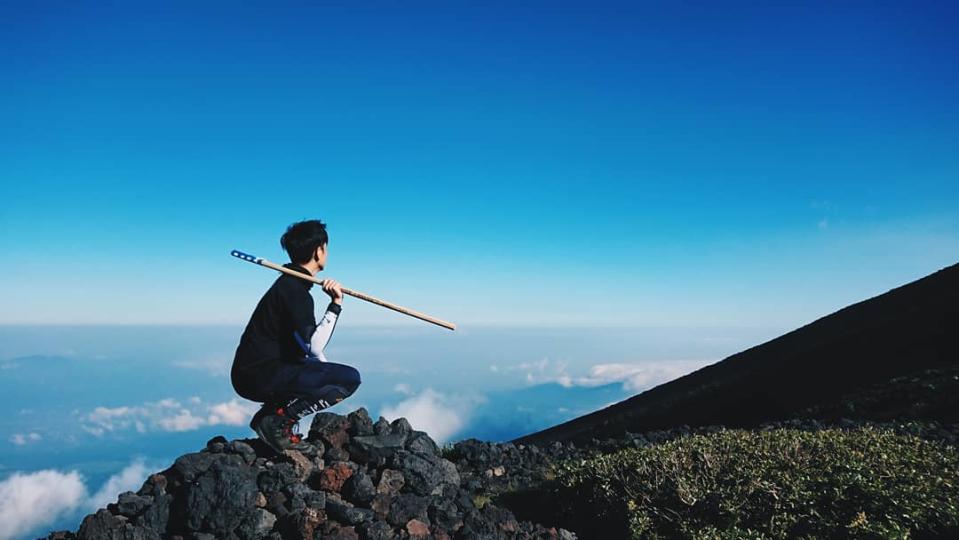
<point x="33" y="499"/>
<point x="131" y="478"/>
<point x="440" y="415"/>
<point x="21" y="439"/>
<point x="636" y="377"/>
<point x="167" y="415"/>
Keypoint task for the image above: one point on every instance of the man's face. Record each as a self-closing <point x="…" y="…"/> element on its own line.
<point x="321" y="256"/>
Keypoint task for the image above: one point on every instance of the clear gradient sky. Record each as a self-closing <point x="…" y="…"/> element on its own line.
<point x="510" y="163"/>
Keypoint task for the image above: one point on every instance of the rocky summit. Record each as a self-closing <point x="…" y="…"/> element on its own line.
<point x="357" y="479"/>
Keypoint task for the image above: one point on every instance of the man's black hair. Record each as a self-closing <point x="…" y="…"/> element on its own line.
<point x="302" y="238"/>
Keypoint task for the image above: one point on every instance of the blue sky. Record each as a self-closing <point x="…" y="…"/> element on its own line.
<point x="653" y="186"/>
<point x="495" y="163"/>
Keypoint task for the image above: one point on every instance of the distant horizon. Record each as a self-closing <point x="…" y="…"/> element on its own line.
<point x="518" y="326"/>
<point x="406" y="322"/>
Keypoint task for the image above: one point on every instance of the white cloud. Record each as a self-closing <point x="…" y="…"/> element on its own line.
<point x="182" y="421"/>
<point x="540" y="371"/>
<point x="166" y="415"/>
<point x="635" y="377"/>
<point x="21" y="439"/>
<point x="131" y="478"/>
<point x="231" y="413"/>
<point x="31" y="500"/>
<point x="103" y="419"/>
<point x="402" y="388"/>
<point x="439" y="415"/>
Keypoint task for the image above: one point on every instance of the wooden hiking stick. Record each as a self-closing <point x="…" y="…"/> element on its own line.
<point x="263" y="262"/>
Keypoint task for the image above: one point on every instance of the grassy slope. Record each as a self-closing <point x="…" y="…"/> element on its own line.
<point x="862" y="483"/>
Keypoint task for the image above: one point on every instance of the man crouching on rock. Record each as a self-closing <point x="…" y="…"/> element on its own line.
<point x="279" y="360"/>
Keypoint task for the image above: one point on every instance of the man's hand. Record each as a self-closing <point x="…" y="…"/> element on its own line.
<point x="332" y="288"/>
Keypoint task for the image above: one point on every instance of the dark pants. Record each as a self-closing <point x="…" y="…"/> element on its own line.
<point x="322" y="384"/>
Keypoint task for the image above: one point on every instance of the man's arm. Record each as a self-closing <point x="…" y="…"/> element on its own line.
<point x="324" y="331"/>
<point x="311" y="337"/>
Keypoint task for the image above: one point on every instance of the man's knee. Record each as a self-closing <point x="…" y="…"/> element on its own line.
<point x="342" y="376"/>
<point x="351" y="379"/>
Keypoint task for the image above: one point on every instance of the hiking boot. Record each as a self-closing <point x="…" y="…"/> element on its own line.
<point x="264" y="410"/>
<point x="280" y="432"/>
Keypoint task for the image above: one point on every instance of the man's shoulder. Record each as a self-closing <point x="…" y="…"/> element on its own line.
<point x="292" y="287"/>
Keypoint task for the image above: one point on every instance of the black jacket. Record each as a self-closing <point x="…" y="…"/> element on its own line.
<point x="283" y="314"/>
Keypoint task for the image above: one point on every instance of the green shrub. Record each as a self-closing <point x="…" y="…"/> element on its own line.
<point x="767" y="484"/>
<point x="448" y="451"/>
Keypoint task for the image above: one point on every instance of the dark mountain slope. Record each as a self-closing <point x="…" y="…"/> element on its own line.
<point x="909" y="328"/>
